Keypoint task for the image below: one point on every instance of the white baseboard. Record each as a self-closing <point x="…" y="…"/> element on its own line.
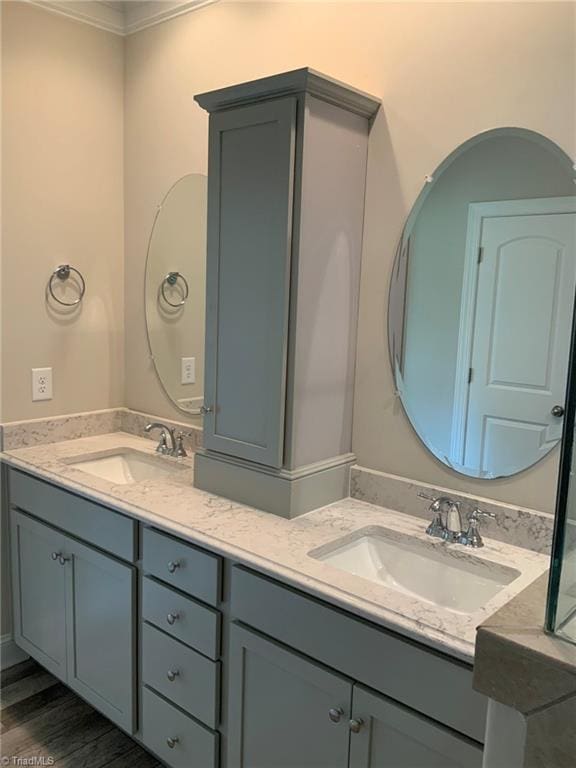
<point x="10" y="653"/>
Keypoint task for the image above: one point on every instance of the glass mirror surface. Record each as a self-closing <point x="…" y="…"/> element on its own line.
<point x="481" y="303"/>
<point x="175" y="288"/>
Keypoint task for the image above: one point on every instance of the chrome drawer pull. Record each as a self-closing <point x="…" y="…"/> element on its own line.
<point x="173" y="564"/>
<point x="335" y="714"/>
<point x="172" y="741"/>
<point x="356" y="725"/>
<point x="172" y="617"/>
<point x="172" y="674"/>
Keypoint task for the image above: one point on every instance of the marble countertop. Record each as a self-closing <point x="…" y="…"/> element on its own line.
<point x="280" y="547"/>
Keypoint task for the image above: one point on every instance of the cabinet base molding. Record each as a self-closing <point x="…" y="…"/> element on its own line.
<point x="281" y="492"/>
<point x="10" y="653"/>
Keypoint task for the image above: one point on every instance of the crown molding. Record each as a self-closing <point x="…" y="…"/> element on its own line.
<point x="134" y="18"/>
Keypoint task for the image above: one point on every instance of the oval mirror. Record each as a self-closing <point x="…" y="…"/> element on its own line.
<point x="175" y="289"/>
<point x="481" y="303"/>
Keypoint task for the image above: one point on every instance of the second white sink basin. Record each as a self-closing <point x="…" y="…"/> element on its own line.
<point x="126" y="466"/>
<point x="449" y="576"/>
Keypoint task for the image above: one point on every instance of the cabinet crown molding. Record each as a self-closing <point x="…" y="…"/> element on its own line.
<point x="303" y="80"/>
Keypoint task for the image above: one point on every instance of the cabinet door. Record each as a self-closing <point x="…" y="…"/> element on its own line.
<point x="250" y="196"/>
<point x="391" y="736"/>
<point x="281" y="706"/>
<point x="39" y="592"/>
<point x="101" y="632"/>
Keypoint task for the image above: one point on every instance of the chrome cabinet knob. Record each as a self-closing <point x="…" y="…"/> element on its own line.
<point x="55" y="555"/>
<point x="172" y="617"/>
<point x="63" y="559"/>
<point x="205" y="409"/>
<point x="172" y="674"/>
<point x="557" y="411"/>
<point x="173" y="564"/>
<point x="335" y="714"/>
<point x="172" y="741"/>
<point x="356" y="725"/>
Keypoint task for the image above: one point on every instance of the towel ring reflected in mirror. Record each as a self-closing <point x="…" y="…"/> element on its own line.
<point x="63" y="273"/>
<point x="171" y="280"/>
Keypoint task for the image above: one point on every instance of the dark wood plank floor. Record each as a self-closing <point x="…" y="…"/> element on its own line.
<point x="40" y="717"/>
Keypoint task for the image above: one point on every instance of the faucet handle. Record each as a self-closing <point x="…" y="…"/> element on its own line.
<point x="472" y="538"/>
<point x="180" y="451"/>
<point x="426" y="496"/>
<point x="478" y="513"/>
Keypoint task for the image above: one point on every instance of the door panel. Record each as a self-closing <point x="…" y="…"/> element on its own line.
<point x="392" y="736"/>
<point x="524" y="305"/>
<point x="250" y="197"/>
<point x="101" y="639"/>
<point x="279" y="708"/>
<point x="39" y="589"/>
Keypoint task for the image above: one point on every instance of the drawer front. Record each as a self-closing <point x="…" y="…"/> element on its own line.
<point x="382" y="660"/>
<point x="180" y="674"/>
<point x="84" y="519"/>
<point x="194" y="624"/>
<point x="164" y="725"/>
<point x="182" y="565"/>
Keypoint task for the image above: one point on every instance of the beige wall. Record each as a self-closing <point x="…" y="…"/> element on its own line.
<point x="62" y="107"/>
<point x="62" y="201"/>
<point x="444" y="72"/>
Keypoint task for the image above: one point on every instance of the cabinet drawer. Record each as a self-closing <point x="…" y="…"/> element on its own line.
<point x="181" y="675"/>
<point x="183" y="618"/>
<point x="192" y="744"/>
<point x="84" y="519"/>
<point x="182" y="565"/>
<point x="400" y="669"/>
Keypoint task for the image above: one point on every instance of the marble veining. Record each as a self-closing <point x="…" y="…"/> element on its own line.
<point x="280" y="547"/>
<point x="527" y="528"/>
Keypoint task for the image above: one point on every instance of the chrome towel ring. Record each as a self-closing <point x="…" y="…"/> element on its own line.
<point x="171" y="279"/>
<point x="63" y="272"/>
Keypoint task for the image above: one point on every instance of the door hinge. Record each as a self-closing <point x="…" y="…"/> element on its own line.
<point x="469" y="375"/>
<point x="480" y="254"/>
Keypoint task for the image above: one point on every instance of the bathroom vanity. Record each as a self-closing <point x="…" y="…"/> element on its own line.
<point x="218" y="635"/>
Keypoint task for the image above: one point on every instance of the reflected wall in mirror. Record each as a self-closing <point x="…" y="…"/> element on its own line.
<point x="481" y="303"/>
<point x="175" y="290"/>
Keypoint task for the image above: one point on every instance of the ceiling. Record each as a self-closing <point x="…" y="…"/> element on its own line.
<point x="122" y="17"/>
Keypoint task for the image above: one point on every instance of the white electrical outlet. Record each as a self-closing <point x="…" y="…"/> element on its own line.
<point x="41" y="383"/>
<point x="188" y="375"/>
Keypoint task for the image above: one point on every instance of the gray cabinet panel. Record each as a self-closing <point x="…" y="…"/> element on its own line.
<point x="39" y="592"/>
<point x="182" y="565"/>
<point x="192" y="745"/>
<point x="383" y="660"/>
<point x="101" y="632"/>
<point x="180" y="616"/>
<point x="180" y="674"/>
<point x="250" y="198"/>
<point x="97" y="525"/>
<point x="393" y="737"/>
<point x="279" y="708"/>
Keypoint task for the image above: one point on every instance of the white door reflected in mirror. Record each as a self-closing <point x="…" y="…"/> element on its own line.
<point x="481" y="304"/>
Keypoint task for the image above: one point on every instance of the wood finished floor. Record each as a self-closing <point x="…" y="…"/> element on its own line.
<point x="41" y="717"/>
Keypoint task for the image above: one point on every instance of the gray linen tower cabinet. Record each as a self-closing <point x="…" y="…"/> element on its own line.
<point x="286" y="185"/>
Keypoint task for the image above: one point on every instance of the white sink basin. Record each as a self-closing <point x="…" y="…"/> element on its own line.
<point x="126" y="466"/>
<point x="449" y="576"/>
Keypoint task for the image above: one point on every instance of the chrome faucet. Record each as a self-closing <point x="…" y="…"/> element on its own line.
<point x="447" y="524"/>
<point x="176" y="447"/>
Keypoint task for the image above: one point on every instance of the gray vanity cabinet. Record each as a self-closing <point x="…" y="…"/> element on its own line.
<point x="285" y="710"/>
<point x="250" y="190"/>
<point x="385" y="735"/>
<point x="74" y="611"/>
<point x="39" y="582"/>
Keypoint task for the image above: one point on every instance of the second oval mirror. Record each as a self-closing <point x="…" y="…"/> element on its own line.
<point x="481" y="304"/>
<point x="175" y="291"/>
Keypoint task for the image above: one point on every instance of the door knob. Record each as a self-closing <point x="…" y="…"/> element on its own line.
<point x="172" y="741"/>
<point x="557" y="411"/>
<point x="356" y="725"/>
<point x="172" y="674"/>
<point x="335" y="714"/>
